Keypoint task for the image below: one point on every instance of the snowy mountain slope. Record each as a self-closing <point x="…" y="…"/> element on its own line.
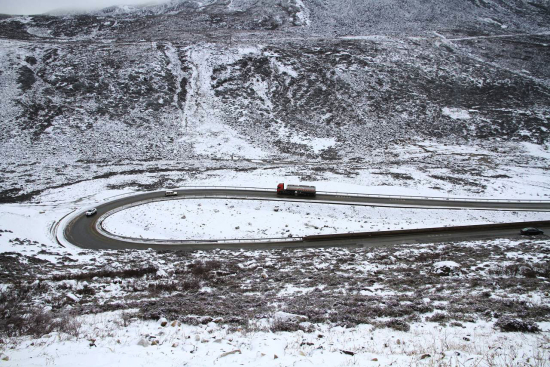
<point x="164" y="21"/>
<point x="80" y="103"/>
<point x="311" y="17"/>
<point x="417" y="16"/>
<point x="190" y="82"/>
<point x="372" y="93"/>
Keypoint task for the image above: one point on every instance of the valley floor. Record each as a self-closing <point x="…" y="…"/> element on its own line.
<point x="477" y="303"/>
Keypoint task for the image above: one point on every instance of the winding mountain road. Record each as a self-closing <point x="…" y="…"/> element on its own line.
<point x="83" y="231"/>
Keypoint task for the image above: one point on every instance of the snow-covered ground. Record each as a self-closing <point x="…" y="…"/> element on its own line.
<point x="449" y="320"/>
<point x="230" y="218"/>
<point x="209" y="218"/>
<point x="108" y="340"/>
<point x="271" y="318"/>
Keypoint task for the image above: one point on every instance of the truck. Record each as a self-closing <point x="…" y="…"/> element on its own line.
<point x="296" y="190"/>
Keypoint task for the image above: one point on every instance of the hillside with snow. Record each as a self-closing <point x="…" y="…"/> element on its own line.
<point x="218" y="83"/>
<point x="445" y="98"/>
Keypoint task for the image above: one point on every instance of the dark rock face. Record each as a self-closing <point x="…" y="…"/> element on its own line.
<point x="26" y="78"/>
<point x="31" y="60"/>
<point x="178" y="20"/>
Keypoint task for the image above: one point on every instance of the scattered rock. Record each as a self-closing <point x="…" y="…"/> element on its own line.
<point x="349" y="353"/>
<point x="161" y="273"/>
<point x="31" y="60"/>
<point x="143" y="342"/>
<point x="446" y="268"/>
<point x="424" y="356"/>
<point x="189" y="348"/>
<point x="211" y="327"/>
<point x="229" y="353"/>
<point x="163" y="322"/>
<point x="155" y="342"/>
<point x="285" y="316"/>
<point x="72" y="298"/>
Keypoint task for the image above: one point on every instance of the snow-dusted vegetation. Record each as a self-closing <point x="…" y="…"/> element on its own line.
<point x="439" y="97"/>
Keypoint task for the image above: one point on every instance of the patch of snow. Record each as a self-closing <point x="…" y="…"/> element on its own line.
<point x="292" y="290"/>
<point x="282" y="68"/>
<point x="250" y="50"/>
<point x="303" y="14"/>
<point x="495" y="22"/>
<point x="456" y="113"/>
<point x="39" y="32"/>
<point x="316" y="144"/>
<point x="536" y="150"/>
<point x="449" y="264"/>
<point x="285" y="316"/>
<point x="204" y="130"/>
<point x="204" y="218"/>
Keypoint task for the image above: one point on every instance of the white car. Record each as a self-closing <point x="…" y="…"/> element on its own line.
<point x="91" y="212"/>
<point x="170" y="193"/>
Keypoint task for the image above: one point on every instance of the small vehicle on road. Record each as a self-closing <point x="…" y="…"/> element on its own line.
<point x="170" y="193"/>
<point x="91" y="212"/>
<point x="531" y="231"/>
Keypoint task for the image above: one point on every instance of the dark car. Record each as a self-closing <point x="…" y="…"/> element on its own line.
<point x="531" y="231"/>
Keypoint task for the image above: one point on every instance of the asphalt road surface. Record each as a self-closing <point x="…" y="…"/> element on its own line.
<point x="82" y="230"/>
